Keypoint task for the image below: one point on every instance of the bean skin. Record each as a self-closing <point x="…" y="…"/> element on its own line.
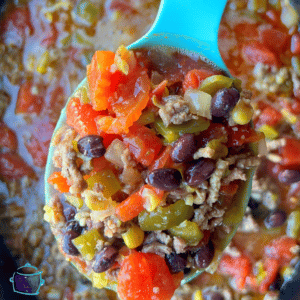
<point x="74" y="226"/>
<point x="166" y="179"/>
<point x="289" y="176"/>
<point x="184" y="148"/>
<point x="276" y="284"/>
<point x="69" y="213"/>
<point x="224" y="101"/>
<point x="176" y="262"/>
<point x="105" y="259"/>
<point x="204" y="255"/>
<point x="275" y="219"/>
<point x="212" y="295"/>
<point x="67" y="244"/>
<point x="91" y="146"/>
<point x="199" y="171"/>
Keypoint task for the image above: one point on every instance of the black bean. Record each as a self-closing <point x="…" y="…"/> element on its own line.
<point x="224" y="101"/>
<point x="204" y="256"/>
<point x="201" y="170"/>
<point x="91" y="146"/>
<point x="275" y="219"/>
<point x="289" y="176"/>
<point x="276" y="284"/>
<point x="167" y="179"/>
<point x="176" y="262"/>
<point x="184" y="148"/>
<point x="212" y="295"/>
<point x="253" y="204"/>
<point x="105" y="259"/>
<point x="67" y="244"/>
<point x="69" y="212"/>
<point x="74" y="226"/>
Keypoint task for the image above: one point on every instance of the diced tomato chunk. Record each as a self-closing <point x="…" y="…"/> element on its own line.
<point x="28" y="102"/>
<point x="269" y="116"/>
<point x="290" y="153"/>
<point x="164" y="160"/>
<point x="59" y="182"/>
<point x="143" y="143"/>
<point x="295" y="43"/>
<point x="238" y="267"/>
<point x="241" y="134"/>
<point x="246" y="31"/>
<point x="281" y="249"/>
<point x="12" y="166"/>
<point x="130" y="207"/>
<point x="145" y="276"/>
<point x="82" y="117"/>
<point x="271" y="267"/>
<point x="8" y="138"/>
<point x="39" y="141"/>
<point x="194" y="78"/>
<point x="256" y="52"/>
<point x="274" y="39"/>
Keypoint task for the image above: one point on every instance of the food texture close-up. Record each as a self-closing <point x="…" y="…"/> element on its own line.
<point x="149" y="173"/>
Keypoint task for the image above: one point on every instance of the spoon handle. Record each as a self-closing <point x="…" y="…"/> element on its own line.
<point x="190" y="24"/>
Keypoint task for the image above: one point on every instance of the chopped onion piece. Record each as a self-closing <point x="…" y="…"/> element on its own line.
<point x="199" y="102"/>
<point x="114" y="152"/>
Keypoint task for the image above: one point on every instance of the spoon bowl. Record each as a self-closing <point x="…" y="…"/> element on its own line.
<point x="192" y="27"/>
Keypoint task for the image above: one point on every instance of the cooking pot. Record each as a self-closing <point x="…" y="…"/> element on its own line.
<point x="27" y="280"/>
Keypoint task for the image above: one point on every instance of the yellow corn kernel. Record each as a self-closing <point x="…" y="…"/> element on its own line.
<point x="86" y="243"/>
<point x="122" y="65"/>
<point x="288" y="116"/>
<point x="166" y="92"/>
<point x="75" y="201"/>
<point x="94" y="203"/>
<point x="260" y="272"/>
<point x="270" y="132"/>
<point x="198" y="295"/>
<point x="286" y="272"/>
<point x="49" y="214"/>
<point x="133" y="237"/>
<point x="99" y="280"/>
<point x="43" y="62"/>
<point x="189" y="200"/>
<point x="151" y="199"/>
<point x="74" y="143"/>
<point x="242" y="113"/>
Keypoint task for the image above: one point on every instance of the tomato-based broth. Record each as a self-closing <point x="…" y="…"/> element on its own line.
<point x="45" y="47"/>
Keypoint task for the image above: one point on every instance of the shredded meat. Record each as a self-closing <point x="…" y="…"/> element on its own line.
<point x="176" y="110"/>
<point x="157" y="248"/>
<point x="235" y="174"/>
<point x="275" y="144"/>
<point x="112" y="227"/>
<point x="248" y="223"/>
<point x="215" y="181"/>
<point x="179" y="245"/>
<point x="246" y="163"/>
<point x="66" y="157"/>
<point x="158" y="236"/>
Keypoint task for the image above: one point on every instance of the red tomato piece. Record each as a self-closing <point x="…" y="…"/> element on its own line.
<point x="143" y="143"/>
<point x="271" y="267"/>
<point x="270" y="116"/>
<point x="129" y="101"/>
<point x="59" y="182"/>
<point x="160" y="89"/>
<point x="242" y="134"/>
<point x="256" y="52"/>
<point x="246" y="31"/>
<point x="122" y="5"/>
<point x="82" y="117"/>
<point x="214" y="131"/>
<point x="290" y="153"/>
<point x="39" y="141"/>
<point x="164" y="160"/>
<point x="273" y="16"/>
<point x="145" y="276"/>
<point x="12" y="166"/>
<point x="238" y="267"/>
<point x="280" y="249"/>
<point x="101" y="80"/>
<point x="194" y="78"/>
<point x="295" y="43"/>
<point x="28" y="102"/>
<point x="276" y="40"/>
<point x="8" y="138"/>
<point x="130" y="207"/>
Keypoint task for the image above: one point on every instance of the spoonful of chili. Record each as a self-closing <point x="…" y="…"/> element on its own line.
<point x="154" y="150"/>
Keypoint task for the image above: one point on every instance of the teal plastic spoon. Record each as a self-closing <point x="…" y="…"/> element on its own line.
<point x="185" y="26"/>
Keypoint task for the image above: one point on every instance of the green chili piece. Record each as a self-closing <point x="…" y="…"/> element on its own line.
<point x="189" y="231"/>
<point x="147" y="117"/>
<point x="214" y="83"/>
<point x="87" y="12"/>
<point x="163" y="218"/>
<point x="173" y="132"/>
